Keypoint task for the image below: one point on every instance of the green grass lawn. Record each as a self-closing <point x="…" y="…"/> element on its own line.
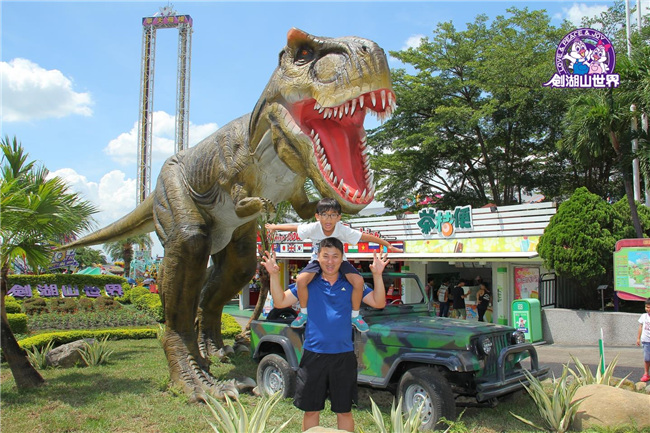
<point x="131" y="394"/>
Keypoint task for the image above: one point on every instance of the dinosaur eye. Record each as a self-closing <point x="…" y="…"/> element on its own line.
<point x="304" y="55"/>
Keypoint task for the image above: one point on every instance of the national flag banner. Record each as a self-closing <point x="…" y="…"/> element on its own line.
<point x="276" y="248"/>
<point x="373" y="246"/>
<point x="291" y="248"/>
<point x="399" y="245"/>
<point x="284" y="248"/>
<point x="299" y="248"/>
<point x="307" y="248"/>
<point x="351" y="248"/>
<point x="363" y="247"/>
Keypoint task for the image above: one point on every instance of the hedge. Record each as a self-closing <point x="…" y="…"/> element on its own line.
<point x="17" y="323"/>
<point x="63" y="337"/>
<point x="229" y="326"/>
<point x="12" y="306"/>
<point x="150" y="302"/>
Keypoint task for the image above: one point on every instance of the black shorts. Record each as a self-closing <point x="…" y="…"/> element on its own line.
<point x="326" y="374"/>
<point x="313" y="267"/>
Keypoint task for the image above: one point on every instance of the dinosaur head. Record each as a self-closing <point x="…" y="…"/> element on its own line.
<point x="313" y="109"/>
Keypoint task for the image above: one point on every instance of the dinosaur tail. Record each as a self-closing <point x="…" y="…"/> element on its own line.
<point x="139" y="221"/>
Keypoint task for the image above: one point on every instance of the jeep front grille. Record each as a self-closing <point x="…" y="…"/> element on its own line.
<point x="498" y="343"/>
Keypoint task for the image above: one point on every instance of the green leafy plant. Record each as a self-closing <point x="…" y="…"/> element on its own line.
<point x="558" y="409"/>
<point x="456" y="426"/>
<point x="96" y="353"/>
<point x="232" y="417"/>
<point x="37" y="356"/>
<point x="584" y="376"/>
<point x="398" y="424"/>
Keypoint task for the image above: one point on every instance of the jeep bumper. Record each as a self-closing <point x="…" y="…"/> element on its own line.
<point x="502" y="383"/>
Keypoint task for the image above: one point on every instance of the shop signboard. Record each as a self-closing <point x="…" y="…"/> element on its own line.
<point x="632" y="269"/>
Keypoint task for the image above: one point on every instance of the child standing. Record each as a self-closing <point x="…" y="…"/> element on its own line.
<point x="644" y="339"/>
<point x="328" y="216"/>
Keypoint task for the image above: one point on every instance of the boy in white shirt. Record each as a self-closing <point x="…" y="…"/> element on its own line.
<point x="643" y="339"/>
<point x="328" y="216"/>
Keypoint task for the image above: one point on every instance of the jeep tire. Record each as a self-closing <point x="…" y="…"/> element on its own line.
<point x="275" y="374"/>
<point x="424" y="385"/>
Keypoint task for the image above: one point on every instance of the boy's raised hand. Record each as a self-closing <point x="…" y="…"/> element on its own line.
<point x="379" y="262"/>
<point x="269" y="227"/>
<point x="268" y="261"/>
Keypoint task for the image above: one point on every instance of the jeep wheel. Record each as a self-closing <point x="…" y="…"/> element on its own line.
<point x="275" y="374"/>
<point x="425" y="386"/>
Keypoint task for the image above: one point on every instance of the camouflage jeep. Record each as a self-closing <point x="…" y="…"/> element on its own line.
<point x="409" y="351"/>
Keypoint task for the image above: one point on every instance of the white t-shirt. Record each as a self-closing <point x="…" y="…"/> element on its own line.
<point x="314" y="231"/>
<point x="645" y="332"/>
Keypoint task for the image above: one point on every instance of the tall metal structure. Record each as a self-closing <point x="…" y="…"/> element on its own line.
<point x="166" y="19"/>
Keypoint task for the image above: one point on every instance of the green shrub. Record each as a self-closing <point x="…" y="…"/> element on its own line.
<point x="38" y="356"/>
<point x="63" y="337"/>
<point x="12" y="306"/>
<point x="229" y="326"/>
<point x="125" y="298"/>
<point x="97" y="353"/>
<point x="17" y="323"/>
<point x="136" y="292"/>
<point x="85" y="304"/>
<point x="152" y="304"/>
<point x="62" y="305"/>
<point x="35" y="305"/>
<point x="104" y="303"/>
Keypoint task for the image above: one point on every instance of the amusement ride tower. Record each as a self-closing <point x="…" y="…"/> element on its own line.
<point x="166" y="19"/>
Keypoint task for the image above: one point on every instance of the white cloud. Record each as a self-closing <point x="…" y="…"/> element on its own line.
<point x="114" y="195"/>
<point x="123" y="149"/>
<point x="413" y="42"/>
<point x="578" y="11"/>
<point x="30" y="92"/>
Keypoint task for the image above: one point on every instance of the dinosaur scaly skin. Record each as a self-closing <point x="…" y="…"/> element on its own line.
<point x="308" y="123"/>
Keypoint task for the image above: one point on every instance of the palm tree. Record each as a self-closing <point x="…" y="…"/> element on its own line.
<point x="36" y="213"/>
<point x="595" y="120"/>
<point x="123" y="249"/>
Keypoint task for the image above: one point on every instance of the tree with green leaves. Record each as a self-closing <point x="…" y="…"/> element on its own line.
<point x="579" y="240"/>
<point x="473" y="122"/>
<point x="87" y="256"/>
<point x="37" y="212"/>
<point x="123" y="249"/>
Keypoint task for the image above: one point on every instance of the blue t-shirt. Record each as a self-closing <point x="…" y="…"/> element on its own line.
<point x="329" y="329"/>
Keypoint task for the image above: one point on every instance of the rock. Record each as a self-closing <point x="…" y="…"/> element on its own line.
<point x="67" y="355"/>
<point x="241" y="348"/>
<point x="609" y="407"/>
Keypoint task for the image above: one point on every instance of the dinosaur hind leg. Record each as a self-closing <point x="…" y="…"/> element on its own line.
<point x="233" y="267"/>
<point x="187" y="244"/>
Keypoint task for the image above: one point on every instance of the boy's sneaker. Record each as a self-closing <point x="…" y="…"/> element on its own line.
<point x="300" y="321"/>
<point x="645" y="378"/>
<point x="360" y="324"/>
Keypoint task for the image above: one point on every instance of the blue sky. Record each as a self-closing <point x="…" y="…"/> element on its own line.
<point x="71" y="72"/>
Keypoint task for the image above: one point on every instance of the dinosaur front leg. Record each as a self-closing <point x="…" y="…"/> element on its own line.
<point x="246" y="207"/>
<point x="185" y="236"/>
<point x="233" y="268"/>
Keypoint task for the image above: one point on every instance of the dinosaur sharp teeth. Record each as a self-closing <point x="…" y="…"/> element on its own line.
<point x="354" y="106"/>
<point x="331" y="175"/>
<point x="383" y="99"/>
<point x="361" y="101"/>
<point x="317" y="106"/>
<point x="363" y="196"/>
<point x="347" y="108"/>
<point x="354" y="196"/>
<point x="390" y="99"/>
<point x="312" y="133"/>
<point x="341" y="184"/>
<point x="341" y="113"/>
<point x="373" y="99"/>
<point x="335" y="111"/>
<point x="334" y="181"/>
<point x="321" y="109"/>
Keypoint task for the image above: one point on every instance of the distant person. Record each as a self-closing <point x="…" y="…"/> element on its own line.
<point x="428" y="289"/>
<point x="443" y="298"/>
<point x="482" y="301"/>
<point x="643" y="339"/>
<point x="458" y="292"/>
<point x="328" y="216"/>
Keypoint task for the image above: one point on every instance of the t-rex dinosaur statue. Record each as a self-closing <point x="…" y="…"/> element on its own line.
<point x="308" y="123"/>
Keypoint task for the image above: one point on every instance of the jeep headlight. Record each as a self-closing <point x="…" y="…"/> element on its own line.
<point x="485" y="345"/>
<point x="517" y="337"/>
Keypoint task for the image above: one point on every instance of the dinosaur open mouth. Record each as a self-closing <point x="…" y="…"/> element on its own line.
<point x="339" y="141"/>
